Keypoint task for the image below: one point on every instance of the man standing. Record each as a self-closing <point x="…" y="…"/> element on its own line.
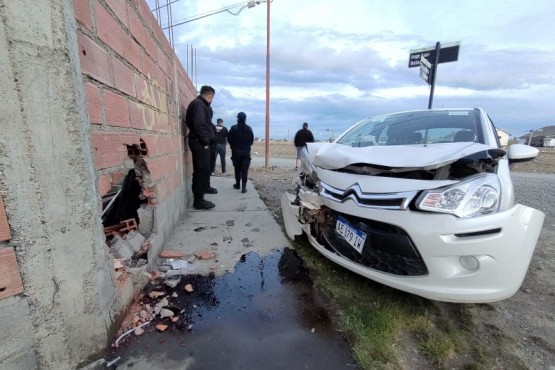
<point x="201" y="130"/>
<point x="302" y="137"/>
<point x="240" y="139"/>
<point x="221" y="142"/>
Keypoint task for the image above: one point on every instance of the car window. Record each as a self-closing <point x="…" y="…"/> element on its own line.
<point x="413" y="128"/>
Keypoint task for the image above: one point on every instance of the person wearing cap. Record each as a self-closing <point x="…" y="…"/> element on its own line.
<point x="240" y="139"/>
<point x="198" y="118"/>
<point x="302" y="137"/>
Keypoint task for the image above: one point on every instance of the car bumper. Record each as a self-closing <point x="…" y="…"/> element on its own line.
<point x="470" y="260"/>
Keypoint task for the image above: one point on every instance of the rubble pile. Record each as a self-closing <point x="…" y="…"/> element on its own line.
<point x="168" y="299"/>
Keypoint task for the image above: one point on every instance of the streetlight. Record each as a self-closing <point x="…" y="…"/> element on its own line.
<point x="267" y="147"/>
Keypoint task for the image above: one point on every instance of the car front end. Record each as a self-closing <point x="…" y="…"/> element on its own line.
<point x="435" y="218"/>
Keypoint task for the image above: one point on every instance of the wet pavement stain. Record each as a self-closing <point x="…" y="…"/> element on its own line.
<point x="264" y="315"/>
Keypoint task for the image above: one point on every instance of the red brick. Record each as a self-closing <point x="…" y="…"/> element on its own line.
<point x="95" y="61"/>
<point x="150" y="117"/>
<point x="167" y="187"/>
<point x="142" y="88"/>
<point x="162" y="167"/>
<point x="150" y="45"/>
<point x="123" y="77"/>
<point x="146" y="14"/>
<point x="104" y="184"/>
<point x="117" y="111"/>
<point x="133" y="53"/>
<point x="4" y="227"/>
<point x="119" y="7"/>
<point x="94" y="103"/>
<point x="109" y="147"/>
<point x="83" y="13"/>
<point x="10" y="278"/>
<point x="118" y="176"/>
<point x="136" y="115"/>
<point x="137" y="27"/>
<point x="108" y="29"/>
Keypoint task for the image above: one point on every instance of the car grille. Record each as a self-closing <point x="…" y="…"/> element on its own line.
<point x="393" y="201"/>
<point x="388" y="248"/>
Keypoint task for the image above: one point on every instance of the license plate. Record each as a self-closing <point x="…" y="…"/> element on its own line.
<point x="353" y="236"/>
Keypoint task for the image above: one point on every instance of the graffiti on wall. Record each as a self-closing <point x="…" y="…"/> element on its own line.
<point x="152" y="95"/>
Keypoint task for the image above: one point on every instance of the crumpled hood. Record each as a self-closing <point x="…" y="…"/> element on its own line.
<point x="334" y="156"/>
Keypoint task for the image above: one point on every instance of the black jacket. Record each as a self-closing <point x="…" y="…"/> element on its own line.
<point x="199" y="121"/>
<point x="240" y="137"/>
<point x="221" y="134"/>
<point x="303" y="136"/>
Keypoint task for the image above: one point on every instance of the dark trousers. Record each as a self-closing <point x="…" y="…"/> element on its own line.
<point x="212" y="157"/>
<point x="220" y="150"/>
<point x="241" y="162"/>
<point x="201" y="168"/>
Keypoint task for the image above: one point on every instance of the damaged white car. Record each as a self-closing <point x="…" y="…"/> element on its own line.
<point x="421" y="201"/>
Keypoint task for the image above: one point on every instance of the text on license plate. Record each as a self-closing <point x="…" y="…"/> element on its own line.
<point x="353" y="236"/>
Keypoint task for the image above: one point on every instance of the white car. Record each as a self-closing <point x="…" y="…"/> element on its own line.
<point x="421" y="201"/>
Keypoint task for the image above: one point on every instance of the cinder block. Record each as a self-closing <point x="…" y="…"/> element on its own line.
<point x="146" y="219"/>
<point x="135" y="239"/>
<point x="15" y="329"/>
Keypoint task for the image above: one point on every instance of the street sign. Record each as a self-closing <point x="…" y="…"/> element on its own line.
<point x="448" y="53"/>
<point x="425" y="70"/>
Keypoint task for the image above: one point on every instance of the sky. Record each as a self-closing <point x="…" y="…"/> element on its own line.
<point x="333" y="63"/>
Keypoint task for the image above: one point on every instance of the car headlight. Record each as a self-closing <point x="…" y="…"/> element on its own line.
<point x="476" y="196"/>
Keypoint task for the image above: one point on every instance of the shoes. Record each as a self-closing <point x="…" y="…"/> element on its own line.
<point x="211" y="190"/>
<point x="203" y="204"/>
<point x="244" y="190"/>
<point x="223" y="171"/>
<point x="235" y="186"/>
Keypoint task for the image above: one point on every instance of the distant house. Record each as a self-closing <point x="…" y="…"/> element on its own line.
<point x="537" y="137"/>
<point x="504" y="137"/>
<point x="549" y="141"/>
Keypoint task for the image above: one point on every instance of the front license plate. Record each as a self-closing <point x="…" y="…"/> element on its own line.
<point x="353" y="236"/>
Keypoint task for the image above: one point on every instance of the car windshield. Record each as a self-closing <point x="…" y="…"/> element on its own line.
<point x="418" y="127"/>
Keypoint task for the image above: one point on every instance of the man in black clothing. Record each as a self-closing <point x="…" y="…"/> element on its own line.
<point x="302" y="137"/>
<point x="221" y="143"/>
<point x="240" y="139"/>
<point x="201" y="130"/>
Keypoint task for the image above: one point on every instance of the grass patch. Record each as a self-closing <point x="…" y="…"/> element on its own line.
<point x="376" y="319"/>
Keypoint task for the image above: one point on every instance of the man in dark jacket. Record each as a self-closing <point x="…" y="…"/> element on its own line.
<point x="240" y="139"/>
<point x="201" y="131"/>
<point x="221" y="143"/>
<point x="302" y="137"/>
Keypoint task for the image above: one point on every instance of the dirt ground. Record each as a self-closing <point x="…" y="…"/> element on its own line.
<point x="520" y="326"/>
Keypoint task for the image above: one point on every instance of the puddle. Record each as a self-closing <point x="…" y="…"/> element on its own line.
<point x="263" y="315"/>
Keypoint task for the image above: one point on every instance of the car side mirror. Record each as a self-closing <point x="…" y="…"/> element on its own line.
<point x="521" y="153"/>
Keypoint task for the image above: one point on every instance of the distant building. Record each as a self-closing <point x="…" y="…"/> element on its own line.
<point x="549" y="141"/>
<point x="536" y="137"/>
<point x="504" y="137"/>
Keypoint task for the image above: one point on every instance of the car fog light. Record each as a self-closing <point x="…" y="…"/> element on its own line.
<point x="469" y="262"/>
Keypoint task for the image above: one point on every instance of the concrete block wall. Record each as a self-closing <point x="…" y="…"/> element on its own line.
<point x="80" y="80"/>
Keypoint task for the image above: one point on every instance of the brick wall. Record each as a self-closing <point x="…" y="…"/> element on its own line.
<point x="130" y="74"/>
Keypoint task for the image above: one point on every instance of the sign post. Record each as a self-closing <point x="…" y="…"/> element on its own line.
<point x="424" y="58"/>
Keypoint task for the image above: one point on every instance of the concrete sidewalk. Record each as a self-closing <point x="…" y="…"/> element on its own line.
<point x="240" y="223"/>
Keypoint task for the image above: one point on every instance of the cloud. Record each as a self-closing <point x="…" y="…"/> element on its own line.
<point x="334" y="63"/>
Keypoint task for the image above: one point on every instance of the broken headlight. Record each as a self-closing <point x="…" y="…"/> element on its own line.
<point x="478" y="195"/>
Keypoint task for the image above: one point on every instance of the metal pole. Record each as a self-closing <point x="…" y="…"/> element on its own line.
<point x="267" y="151"/>
<point x="434" y="72"/>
